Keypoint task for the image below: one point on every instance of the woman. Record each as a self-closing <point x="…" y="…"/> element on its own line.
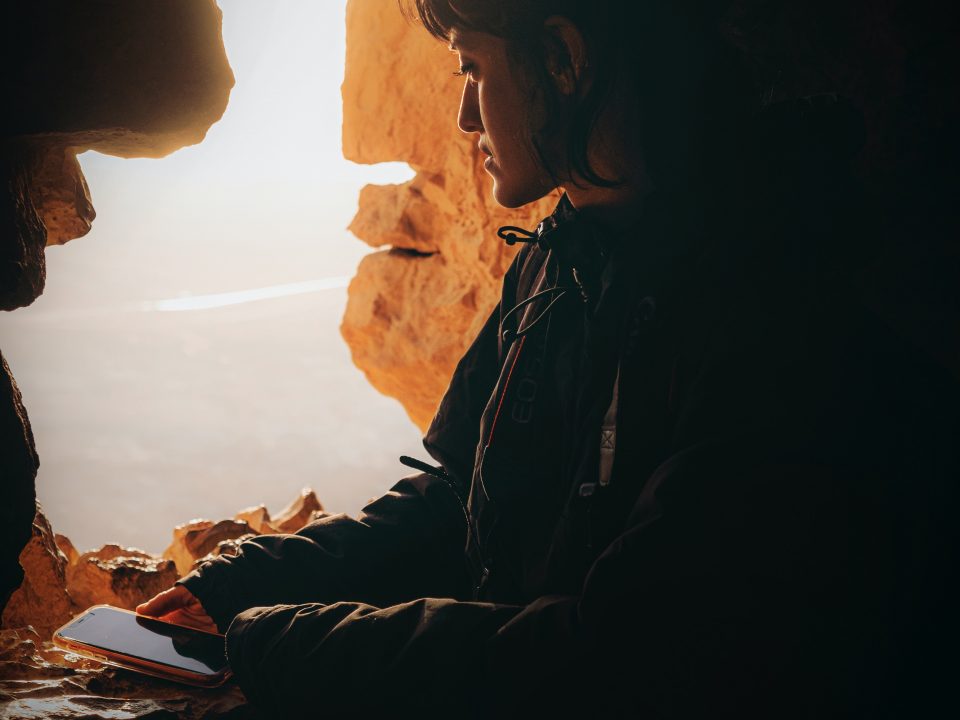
<point x="666" y="476"/>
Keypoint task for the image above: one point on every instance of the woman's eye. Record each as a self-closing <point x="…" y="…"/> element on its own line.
<point x="467" y="70"/>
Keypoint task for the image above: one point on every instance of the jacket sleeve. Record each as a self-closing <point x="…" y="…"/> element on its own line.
<point x="406" y="544"/>
<point x="686" y="606"/>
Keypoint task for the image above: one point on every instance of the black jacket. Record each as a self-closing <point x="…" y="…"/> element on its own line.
<point x="776" y="537"/>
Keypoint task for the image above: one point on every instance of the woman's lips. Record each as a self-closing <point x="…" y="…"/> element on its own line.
<point x="487" y="161"/>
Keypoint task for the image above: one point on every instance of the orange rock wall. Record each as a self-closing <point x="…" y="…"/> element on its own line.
<point x="415" y="306"/>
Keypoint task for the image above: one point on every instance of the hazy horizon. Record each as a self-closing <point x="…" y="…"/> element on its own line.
<point x="185" y="359"/>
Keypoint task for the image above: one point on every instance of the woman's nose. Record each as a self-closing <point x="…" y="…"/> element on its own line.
<point x="468" y="118"/>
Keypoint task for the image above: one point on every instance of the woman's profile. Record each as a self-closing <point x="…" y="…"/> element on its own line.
<point x="667" y="478"/>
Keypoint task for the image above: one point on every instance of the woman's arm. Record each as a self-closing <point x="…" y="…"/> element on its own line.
<point x="729" y="589"/>
<point x="406" y="544"/>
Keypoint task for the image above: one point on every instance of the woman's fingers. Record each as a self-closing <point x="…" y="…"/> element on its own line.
<point x="166" y="602"/>
<point x="191" y="618"/>
<point x="178" y="605"/>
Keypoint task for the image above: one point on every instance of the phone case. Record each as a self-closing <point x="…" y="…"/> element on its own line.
<point x="139" y="665"/>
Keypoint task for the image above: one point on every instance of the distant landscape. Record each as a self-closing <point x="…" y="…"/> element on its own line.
<point x="149" y="411"/>
<point x="146" y="419"/>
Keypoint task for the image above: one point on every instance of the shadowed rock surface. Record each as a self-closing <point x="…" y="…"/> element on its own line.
<point x="196" y="540"/>
<point x="42" y="600"/>
<point x="133" y="79"/>
<point x="17" y="474"/>
<point x="199" y="538"/>
<point x="119" y="576"/>
<point x="38" y="680"/>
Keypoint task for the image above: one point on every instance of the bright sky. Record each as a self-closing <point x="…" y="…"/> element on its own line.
<point x="272" y="166"/>
<point x="185" y="359"/>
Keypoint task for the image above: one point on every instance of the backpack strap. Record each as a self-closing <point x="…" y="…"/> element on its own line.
<point x="608" y="434"/>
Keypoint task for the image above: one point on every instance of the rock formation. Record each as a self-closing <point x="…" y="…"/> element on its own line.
<point x="414" y="307"/>
<point x="118" y="576"/>
<point x="131" y="79"/>
<point x="60" y="582"/>
<point x="197" y="540"/>
<point x="39" y="680"/>
<point x="42" y="600"/>
<point x="304" y="508"/>
<point x="20" y="463"/>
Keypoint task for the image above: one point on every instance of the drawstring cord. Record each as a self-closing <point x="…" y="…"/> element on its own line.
<point x="510" y="335"/>
<point x="511" y="234"/>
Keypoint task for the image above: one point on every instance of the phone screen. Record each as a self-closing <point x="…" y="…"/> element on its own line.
<point x="148" y="639"/>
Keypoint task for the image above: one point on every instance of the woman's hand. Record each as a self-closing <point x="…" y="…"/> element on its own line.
<point x="179" y="606"/>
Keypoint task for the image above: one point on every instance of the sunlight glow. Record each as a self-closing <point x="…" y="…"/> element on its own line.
<point x="205" y="302"/>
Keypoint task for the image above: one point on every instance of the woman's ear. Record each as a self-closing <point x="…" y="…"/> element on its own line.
<point x="567" y="58"/>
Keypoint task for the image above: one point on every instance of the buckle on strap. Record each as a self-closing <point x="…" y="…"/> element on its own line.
<point x="608" y="435"/>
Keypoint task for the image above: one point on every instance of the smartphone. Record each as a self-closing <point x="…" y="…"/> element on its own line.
<point x="147" y="645"/>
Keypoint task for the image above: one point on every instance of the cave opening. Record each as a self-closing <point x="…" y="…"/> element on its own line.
<point x="185" y="359"/>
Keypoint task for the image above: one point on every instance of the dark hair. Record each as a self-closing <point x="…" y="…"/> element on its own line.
<point x="670" y="53"/>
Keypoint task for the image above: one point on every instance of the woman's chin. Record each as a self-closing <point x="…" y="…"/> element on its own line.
<point x="506" y="199"/>
<point x="513" y="197"/>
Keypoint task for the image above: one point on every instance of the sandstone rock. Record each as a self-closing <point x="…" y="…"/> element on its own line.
<point x="414" y="310"/>
<point x="119" y="576"/>
<point x="39" y="681"/>
<point x="67" y="548"/>
<point x="65" y="205"/>
<point x="298" y="513"/>
<point x="258" y="518"/>
<point x="198" y="538"/>
<point x="305" y="508"/>
<point x="130" y="79"/>
<point x="22" y="233"/>
<point x="24" y="654"/>
<point x="387" y="313"/>
<point x="142" y="78"/>
<point x="19" y="468"/>
<point x="42" y="600"/>
<point x="226" y="547"/>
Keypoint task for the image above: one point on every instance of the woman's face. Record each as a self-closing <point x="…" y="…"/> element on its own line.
<point x="497" y="106"/>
